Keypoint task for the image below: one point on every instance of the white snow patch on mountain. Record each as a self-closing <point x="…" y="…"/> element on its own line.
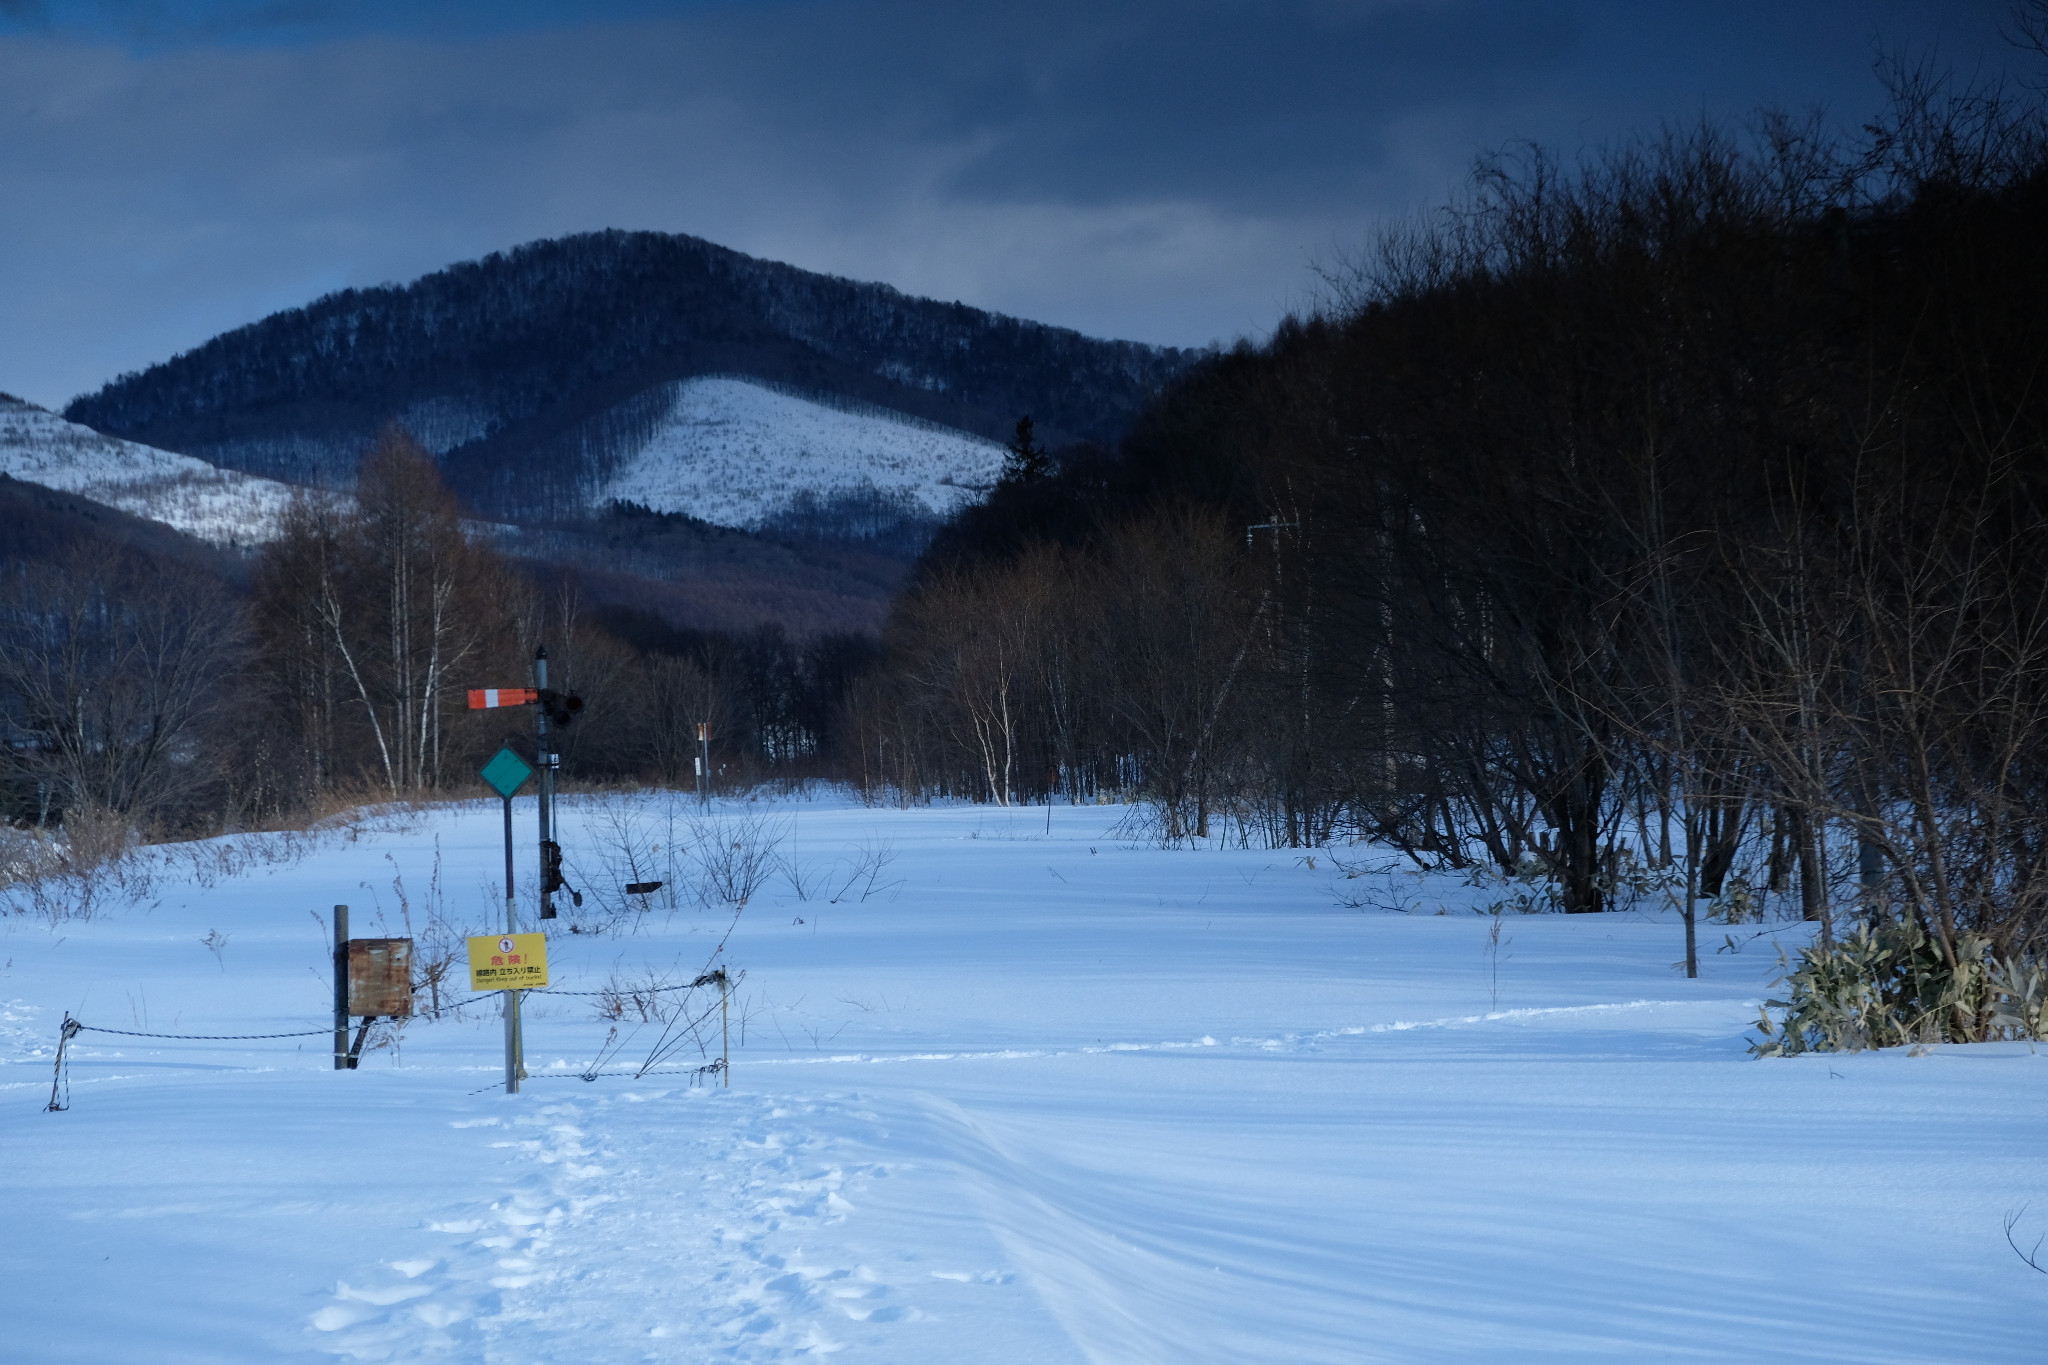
<point x="224" y="506"/>
<point x="736" y="451"/>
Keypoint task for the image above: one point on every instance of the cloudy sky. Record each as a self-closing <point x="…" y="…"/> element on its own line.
<point x="1164" y="171"/>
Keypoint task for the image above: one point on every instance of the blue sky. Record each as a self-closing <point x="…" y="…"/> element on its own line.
<point x="1165" y="171"/>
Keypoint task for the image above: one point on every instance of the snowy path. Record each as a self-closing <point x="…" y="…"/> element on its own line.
<point x="1059" y="1100"/>
<point x="607" y="1232"/>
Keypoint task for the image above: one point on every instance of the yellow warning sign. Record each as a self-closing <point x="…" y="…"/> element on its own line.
<point x="508" y="962"/>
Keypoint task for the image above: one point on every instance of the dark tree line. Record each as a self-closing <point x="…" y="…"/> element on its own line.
<point x="1689" y="499"/>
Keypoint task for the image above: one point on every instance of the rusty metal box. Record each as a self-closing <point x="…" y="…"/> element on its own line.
<point x="380" y="977"/>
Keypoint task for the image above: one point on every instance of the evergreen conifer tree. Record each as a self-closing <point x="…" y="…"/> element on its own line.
<point x="1027" y="461"/>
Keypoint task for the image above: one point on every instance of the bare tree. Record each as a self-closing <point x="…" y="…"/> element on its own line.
<point x="109" y="673"/>
<point x="374" y="612"/>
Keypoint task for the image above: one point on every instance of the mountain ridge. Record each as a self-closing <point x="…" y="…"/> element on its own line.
<point x="522" y="370"/>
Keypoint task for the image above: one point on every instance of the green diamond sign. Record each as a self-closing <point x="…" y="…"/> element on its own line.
<point x="507" y="772"/>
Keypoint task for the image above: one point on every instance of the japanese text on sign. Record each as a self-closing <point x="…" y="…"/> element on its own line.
<point x="508" y="962"/>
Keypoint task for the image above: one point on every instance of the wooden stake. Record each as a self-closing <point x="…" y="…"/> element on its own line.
<point x="341" y="988"/>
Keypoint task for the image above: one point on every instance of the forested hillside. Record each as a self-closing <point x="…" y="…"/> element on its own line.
<point x="532" y="374"/>
<point x="1678" y="516"/>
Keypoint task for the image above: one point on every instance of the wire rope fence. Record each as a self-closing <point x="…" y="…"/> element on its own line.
<point x="679" y="1029"/>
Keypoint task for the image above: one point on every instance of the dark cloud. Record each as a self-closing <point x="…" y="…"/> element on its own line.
<point x="1273" y="105"/>
<point x="156" y="24"/>
<point x="1159" y="170"/>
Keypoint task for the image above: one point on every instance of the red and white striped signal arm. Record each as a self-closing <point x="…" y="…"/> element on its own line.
<point x="484" y="698"/>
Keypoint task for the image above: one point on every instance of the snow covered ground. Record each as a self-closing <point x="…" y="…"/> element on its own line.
<point x="733" y="452"/>
<point x="1033" y="1097"/>
<point x="224" y="506"/>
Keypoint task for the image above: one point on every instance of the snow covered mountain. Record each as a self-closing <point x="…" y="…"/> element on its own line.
<point x="221" y="506"/>
<point x="735" y="452"/>
<point x="536" y="376"/>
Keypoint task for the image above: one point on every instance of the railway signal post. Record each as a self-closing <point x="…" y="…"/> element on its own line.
<point x="507" y="773"/>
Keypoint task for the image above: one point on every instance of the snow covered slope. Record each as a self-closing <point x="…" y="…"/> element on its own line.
<point x="1006" y="1087"/>
<point x="223" y="506"/>
<point x="733" y="452"/>
<point x="736" y="451"/>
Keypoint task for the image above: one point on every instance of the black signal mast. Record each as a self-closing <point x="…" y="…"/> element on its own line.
<point x="552" y="713"/>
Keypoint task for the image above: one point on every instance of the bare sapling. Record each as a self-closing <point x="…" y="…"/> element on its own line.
<point x="72" y="873"/>
<point x="632" y="856"/>
<point x="864" y="872"/>
<point x="736" y="855"/>
<point x="440" y="945"/>
<point x="1494" y="944"/>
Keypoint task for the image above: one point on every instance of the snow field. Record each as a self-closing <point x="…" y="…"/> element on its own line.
<point x="733" y="453"/>
<point x="223" y="506"/>
<point x="1040" y="1097"/>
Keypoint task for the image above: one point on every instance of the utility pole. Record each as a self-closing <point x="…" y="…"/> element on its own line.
<point x="550" y="851"/>
<point x="1293" y="799"/>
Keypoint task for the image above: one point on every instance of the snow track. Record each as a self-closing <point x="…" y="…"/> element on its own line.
<point x="595" y="1239"/>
